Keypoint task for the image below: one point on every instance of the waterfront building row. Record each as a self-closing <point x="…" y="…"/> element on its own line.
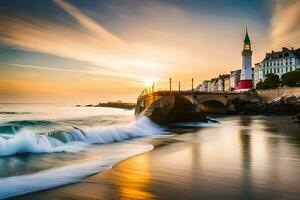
<point x="279" y="63"/>
<point x="219" y="84"/>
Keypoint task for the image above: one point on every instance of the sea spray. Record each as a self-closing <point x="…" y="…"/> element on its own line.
<point x="26" y="141"/>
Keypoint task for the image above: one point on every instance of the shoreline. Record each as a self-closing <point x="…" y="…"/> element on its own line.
<point x="66" y="191"/>
<point x="167" y="171"/>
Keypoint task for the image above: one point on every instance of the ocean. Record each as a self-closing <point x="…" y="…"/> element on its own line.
<point x="109" y="154"/>
<point x="48" y="145"/>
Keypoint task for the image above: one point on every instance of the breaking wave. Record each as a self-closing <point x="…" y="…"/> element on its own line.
<point x="27" y="141"/>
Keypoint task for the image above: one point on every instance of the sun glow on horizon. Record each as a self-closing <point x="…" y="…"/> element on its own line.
<point x="148" y="82"/>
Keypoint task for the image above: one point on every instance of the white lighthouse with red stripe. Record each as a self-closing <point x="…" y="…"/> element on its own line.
<point x="245" y="82"/>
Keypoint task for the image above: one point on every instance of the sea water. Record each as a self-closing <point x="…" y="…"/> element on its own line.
<point x="44" y="146"/>
<point x="48" y="145"/>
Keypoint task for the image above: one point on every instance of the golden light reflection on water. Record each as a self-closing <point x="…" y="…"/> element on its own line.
<point x="134" y="179"/>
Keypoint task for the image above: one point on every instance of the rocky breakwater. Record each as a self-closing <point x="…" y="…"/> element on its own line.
<point x="121" y="105"/>
<point x="284" y="105"/>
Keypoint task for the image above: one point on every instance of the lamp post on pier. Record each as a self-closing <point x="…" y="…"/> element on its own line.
<point x="170" y="81"/>
<point x="152" y="87"/>
<point x="192" y="84"/>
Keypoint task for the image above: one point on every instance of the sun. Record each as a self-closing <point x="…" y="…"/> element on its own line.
<point x="148" y="82"/>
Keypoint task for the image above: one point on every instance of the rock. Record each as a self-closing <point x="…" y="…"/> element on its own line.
<point x="291" y="100"/>
<point x="285" y="105"/>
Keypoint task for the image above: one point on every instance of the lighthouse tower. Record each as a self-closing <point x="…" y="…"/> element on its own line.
<point x="245" y="82"/>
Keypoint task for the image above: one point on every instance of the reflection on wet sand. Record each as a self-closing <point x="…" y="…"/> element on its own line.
<point x="134" y="178"/>
<point x="245" y="144"/>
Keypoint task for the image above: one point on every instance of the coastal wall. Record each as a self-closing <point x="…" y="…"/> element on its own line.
<point x="267" y="95"/>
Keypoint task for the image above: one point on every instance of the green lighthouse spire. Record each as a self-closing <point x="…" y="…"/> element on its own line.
<point x="247" y="39"/>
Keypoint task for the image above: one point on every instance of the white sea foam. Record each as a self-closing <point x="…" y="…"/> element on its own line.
<point x="141" y="128"/>
<point x="26" y="141"/>
<point x="18" y="185"/>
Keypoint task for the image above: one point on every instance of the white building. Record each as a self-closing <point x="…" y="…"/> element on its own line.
<point x="256" y="74"/>
<point x="227" y="83"/>
<point x="224" y="83"/>
<point x="220" y="84"/>
<point x="204" y="86"/>
<point x="234" y="78"/>
<point x="280" y="62"/>
<point x="209" y="86"/>
<point x="199" y="87"/>
<point x="214" y="85"/>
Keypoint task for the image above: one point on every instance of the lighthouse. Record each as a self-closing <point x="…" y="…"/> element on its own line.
<point x="245" y="82"/>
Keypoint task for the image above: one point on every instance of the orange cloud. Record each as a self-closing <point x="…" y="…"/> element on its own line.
<point x="286" y="24"/>
<point x="158" y="42"/>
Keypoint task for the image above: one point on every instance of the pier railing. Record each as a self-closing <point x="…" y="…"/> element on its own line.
<point x="163" y="89"/>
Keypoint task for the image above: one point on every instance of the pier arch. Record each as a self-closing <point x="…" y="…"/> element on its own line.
<point x="212" y="107"/>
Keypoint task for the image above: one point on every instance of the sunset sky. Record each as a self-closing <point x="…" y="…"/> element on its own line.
<point x="86" y="51"/>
